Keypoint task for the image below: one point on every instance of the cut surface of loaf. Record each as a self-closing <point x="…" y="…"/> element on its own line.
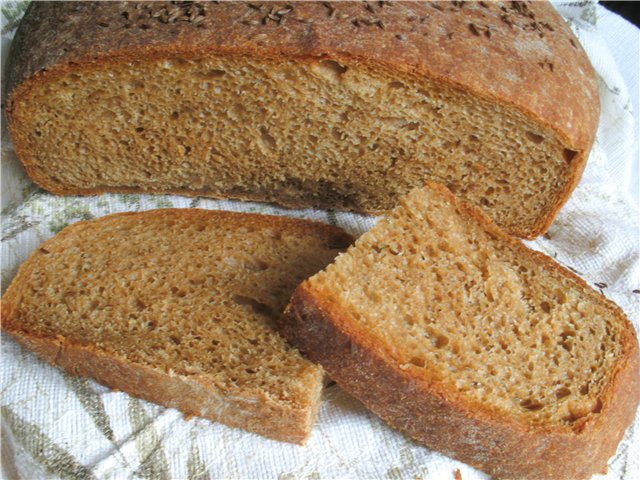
<point x="338" y="105"/>
<point x="176" y="307"/>
<point x="463" y="338"/>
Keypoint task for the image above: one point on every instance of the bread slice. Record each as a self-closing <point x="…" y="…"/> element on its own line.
<point x="176" y="307"/>
<point x="480" y="348"/>
<point x="342" y="105"/>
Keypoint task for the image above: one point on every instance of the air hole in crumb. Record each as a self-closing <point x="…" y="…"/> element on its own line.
<point x="534" y="137"/>
<point x="441" y="341"/>
<point x="396" y="85"/>
<point x="178" y="293"/>
<point x="215" y="151"/>
<point x="175" y="115"/>
<point x="531" y="405"/>
<point x="418" y="362"/>
<point x="546" y="308"/>
<point x="329" y="69"/>
<point x="139" y="129"/>
<point x="569" y="155"/>
<point x="267" y="139"/>
<point x="411" y="126"/>
<point x="584" y="390"/>
<point x="562" y="393"/>
<point x="258" y="307"/>
<point x="597" y="408"/>
<point x="151" y="325"/>
<point x="214" y="74"/>
<point x="337" y="134"/>
<point x="256" y="265"/>
<point x="560" y="297"/>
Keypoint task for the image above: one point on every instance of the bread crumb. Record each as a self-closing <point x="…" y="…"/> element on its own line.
<point x="457" y="475"/>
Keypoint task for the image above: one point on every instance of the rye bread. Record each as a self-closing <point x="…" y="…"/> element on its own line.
<point x="343" y="105"/>
<point x="176" y="306"/>
<point x="458" y="335"/>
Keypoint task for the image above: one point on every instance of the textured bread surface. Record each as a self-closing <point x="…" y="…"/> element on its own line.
<point x="463" y="338"/>
<point x="335" y="105"/>
<point x="177" y="307"/>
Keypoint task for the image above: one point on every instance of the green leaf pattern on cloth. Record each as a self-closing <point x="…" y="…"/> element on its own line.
<point x="12" y="12"/>
<point x="51" y="456"/>
<point x="153" y="461"/>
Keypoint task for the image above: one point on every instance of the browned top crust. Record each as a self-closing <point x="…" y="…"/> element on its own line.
<point x="518" y="54"/>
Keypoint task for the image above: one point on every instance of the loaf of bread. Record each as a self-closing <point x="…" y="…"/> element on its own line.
<point x="482" y="349"/>
<point x="341" y="105"/>
<point x="176" y="307"/>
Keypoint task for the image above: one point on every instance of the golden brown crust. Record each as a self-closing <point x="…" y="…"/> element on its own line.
<point x="252" y="409"/>
<point x="192" y="395"/>
<point x="438" y="417"/>
<point x="528" y="53"/>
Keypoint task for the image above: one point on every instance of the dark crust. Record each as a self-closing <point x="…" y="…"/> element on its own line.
<point x="193" y="395"/>
<point x="441" y="419"/>
<point x="529" y="42"/>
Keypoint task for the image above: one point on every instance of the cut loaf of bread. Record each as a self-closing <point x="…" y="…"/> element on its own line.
<point x="176" y="307"/>
<point x="341" y="105"/>
<point x="480" y="348"/>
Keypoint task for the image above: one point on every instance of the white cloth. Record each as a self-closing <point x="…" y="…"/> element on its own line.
<point x="55" y="425"/>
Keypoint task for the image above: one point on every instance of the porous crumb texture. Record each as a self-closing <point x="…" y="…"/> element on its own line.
<point x="191" y="293"/>
<point x="451" y="303"/>
<point x="344" y="137"/>
<point x="277" y="121"/>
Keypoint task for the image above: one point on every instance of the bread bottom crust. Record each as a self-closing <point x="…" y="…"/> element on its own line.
<point x="193" y="395"/>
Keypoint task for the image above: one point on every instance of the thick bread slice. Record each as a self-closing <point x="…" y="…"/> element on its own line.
<point x="480" y="348"/>
<point x="343" y="105"/>
<point x="176" y="307"/>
